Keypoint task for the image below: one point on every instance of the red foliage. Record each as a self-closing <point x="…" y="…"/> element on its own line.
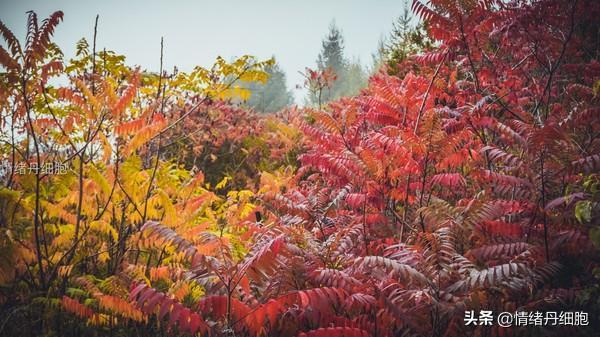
<point x="150" y="301"/>
<point x="453" y="188"/>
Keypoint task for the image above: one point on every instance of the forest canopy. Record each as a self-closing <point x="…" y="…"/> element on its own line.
<point x="462" y="178"/>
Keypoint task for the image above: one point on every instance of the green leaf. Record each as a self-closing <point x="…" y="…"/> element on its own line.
<point x="583" y="211"/>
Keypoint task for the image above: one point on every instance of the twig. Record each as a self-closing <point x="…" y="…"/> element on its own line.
<point x="437" y="70"/>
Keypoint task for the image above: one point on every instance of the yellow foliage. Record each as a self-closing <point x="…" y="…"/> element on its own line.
<point x="65" y="236"/>
<point x="105" y="228"/>
<point x="221" y="184"/>
<point x="64" y="271"/>
<point x="119" y="306"/>
<point x="99" y="179"/>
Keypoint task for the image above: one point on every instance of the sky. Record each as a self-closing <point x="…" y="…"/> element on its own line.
<point x="196" y="32"/>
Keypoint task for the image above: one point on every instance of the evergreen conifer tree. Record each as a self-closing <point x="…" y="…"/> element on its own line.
<point x="350" y="77"/>
<point x="271" y="96"/>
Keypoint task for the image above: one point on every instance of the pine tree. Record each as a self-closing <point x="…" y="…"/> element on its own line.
<point x="354" y="78"/>
<point x="350" y="77"/>
<point x="405" y="39"/>
<point x="271" y="96"/>
<point x="399" y="43"/>
<point x="332" y="52"/>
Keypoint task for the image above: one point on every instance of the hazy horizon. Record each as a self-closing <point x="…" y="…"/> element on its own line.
<point x="196" y="32"/>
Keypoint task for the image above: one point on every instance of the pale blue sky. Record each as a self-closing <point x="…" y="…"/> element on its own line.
<point x="196" y="32"/>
